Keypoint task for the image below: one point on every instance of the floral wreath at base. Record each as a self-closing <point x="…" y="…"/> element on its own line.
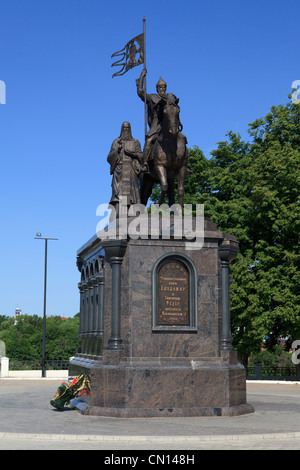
<point x="67" y="391"/>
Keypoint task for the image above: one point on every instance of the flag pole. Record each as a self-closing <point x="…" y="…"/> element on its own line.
<point x="145" y="87"/>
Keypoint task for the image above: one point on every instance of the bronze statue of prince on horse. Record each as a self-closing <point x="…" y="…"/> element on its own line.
<point x="165" y="150"/>
<point x="154" y="106"/>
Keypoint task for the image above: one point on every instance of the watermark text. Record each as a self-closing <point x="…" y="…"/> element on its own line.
<point x="2" y="92"/>
<point x="296" y="353"/>
<point x="296" y="92"/>
<point x="161" y="221"/>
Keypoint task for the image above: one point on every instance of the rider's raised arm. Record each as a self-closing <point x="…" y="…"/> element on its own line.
<point x="140" y="87"/>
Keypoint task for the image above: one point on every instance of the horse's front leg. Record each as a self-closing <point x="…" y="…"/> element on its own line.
<point x="146" y="189"/>
<point x="162" y="176"/>
<point x="180" y="184"/>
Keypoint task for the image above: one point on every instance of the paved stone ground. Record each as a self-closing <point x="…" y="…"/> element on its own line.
<point x="28" y="421"/>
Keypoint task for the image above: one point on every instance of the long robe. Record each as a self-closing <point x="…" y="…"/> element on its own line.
<point x="125" y="170"/>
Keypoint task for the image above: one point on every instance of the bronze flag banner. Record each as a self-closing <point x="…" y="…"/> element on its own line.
<point x="131" y="55"/>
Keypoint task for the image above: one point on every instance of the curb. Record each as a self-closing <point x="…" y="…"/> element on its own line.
<point x="278" y="382"/>
<point x="29" y="377"/>
<point x="153" y="439"/>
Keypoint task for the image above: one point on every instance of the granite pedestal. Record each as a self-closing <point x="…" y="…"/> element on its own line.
<point x="165" y="335"/>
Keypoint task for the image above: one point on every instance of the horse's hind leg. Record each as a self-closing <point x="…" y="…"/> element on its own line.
<point x="162" y="175"/>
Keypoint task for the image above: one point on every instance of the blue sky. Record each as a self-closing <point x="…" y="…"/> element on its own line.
<point x="228" y="62"/>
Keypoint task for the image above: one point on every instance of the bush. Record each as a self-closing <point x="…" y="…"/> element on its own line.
<point x="276" y="358"/>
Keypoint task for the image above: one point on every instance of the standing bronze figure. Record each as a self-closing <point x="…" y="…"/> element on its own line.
<point x="125" y="159"/>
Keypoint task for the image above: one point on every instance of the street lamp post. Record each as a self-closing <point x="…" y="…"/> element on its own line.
<point x="39" y="237"/>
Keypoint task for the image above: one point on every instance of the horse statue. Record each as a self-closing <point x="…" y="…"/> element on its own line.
<point x="169" y="158"/>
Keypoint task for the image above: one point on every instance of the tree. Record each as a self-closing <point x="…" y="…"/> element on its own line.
<point x="23" y="337"/>
<point x="62" y="342"/>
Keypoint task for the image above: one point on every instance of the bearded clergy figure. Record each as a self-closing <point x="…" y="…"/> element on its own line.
<point x="125" y="159"/>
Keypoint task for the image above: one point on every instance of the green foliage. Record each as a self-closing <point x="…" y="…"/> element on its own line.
<point x="62" y="339"/>
<point x="23" y="337"/>
<point x="2" y="319"/>
<point x="277" y="358"/>
<point x="260" y="188"/>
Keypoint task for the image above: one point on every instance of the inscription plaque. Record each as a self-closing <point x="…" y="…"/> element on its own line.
<point x="173" y="295"/>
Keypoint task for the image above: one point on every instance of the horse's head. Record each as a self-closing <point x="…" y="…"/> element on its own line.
<point x="171" y="122"/>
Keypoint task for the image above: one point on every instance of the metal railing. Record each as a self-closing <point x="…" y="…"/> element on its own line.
<point x="262" y="372"/>
<point x="37" y="365"/>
